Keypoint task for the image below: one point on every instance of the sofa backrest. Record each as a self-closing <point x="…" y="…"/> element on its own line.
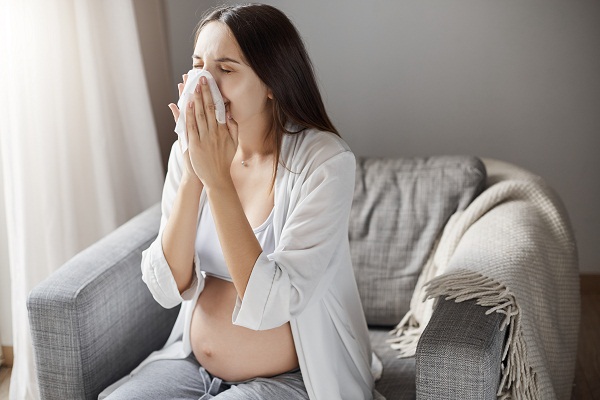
<point x="400" y="207"/>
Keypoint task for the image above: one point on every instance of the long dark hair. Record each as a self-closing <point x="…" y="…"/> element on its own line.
<point x="274" y="50"/>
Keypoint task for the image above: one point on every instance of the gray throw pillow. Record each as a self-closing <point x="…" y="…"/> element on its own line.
<point x="400" y="206"/>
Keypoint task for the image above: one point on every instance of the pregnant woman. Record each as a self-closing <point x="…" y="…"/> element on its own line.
<point x="253" y="240"/>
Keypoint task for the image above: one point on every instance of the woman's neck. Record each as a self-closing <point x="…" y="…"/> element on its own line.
<point x="251" y="139"/>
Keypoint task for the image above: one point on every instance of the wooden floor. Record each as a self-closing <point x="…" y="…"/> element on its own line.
<point x="4" y="381"/>
<point x="587" y="374"/>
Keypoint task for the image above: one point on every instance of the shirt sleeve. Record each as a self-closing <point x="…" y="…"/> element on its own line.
<point x="297" y="274"/>
<point x="156" y="272"/>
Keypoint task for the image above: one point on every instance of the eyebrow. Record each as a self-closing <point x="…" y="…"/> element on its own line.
<point x="222" y="59"/>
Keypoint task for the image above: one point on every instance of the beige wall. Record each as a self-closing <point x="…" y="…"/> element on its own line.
<point x="514" y="80"/>
<point x="151" y="23"/>
<point x="182" y="17"/>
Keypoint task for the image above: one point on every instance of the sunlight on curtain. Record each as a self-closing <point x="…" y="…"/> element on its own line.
<point x="78" y="142"/>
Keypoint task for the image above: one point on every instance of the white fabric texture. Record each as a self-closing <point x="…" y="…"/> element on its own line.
<point x="307" y="280"/>
<point x="514" y="251"/>
<point x="79" y="148"/>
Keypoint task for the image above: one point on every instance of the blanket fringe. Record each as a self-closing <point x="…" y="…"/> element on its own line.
<point x="408" y="333"/>
<point x="518" y="378"/>
<point x="409" y="329"/>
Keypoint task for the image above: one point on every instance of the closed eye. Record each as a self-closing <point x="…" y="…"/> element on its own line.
<point x="223" y="70"/>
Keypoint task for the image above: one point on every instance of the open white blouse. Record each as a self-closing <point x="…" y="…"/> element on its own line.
<point x="307" y="280"/>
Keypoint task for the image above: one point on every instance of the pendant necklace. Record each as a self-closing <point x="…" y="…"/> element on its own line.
<point x="245" y="162"/>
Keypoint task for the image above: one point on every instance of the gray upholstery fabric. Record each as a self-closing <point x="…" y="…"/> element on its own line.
<point x="400" y="207"/>
<point x="459" y="354"/>
<point x="94" y="320"/>
<point x="458" y="357"/>
<point x="398" y="379"/>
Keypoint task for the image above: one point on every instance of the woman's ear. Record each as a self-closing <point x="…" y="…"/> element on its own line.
<point x="269" y="94"/>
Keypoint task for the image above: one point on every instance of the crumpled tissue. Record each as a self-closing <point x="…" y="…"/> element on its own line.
<point x="188" y="94"/>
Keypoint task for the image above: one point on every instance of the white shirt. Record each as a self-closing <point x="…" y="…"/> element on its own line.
<point x="308" y="280"/>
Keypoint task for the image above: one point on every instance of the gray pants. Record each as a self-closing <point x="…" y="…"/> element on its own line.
<point x="187" y="379"/>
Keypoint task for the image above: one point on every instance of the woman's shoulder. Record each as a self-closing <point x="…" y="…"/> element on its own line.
<point x="312" y="146"/>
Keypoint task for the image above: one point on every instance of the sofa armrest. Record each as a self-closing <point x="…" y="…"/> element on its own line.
<point x="459" y="354"/>
<point x="94" y="320"/>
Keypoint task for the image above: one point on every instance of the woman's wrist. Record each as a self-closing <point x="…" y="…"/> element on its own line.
<point x="191" y="182"/>
<point x="221" y="186"/>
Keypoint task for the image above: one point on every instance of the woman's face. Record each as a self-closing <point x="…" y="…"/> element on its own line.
<point x="217" y="52"/>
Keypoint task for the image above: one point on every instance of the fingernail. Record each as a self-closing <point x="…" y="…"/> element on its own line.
<point x="203" y="80"/>
<point x="190" y="104"/>
<point x="198" y="88"/>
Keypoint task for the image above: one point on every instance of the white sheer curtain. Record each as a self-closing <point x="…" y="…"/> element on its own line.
<point x="78" y="141"/>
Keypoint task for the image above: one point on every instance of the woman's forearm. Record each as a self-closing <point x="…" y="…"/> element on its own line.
<point x="179" y="235"/>
<point x="240" y="247"/>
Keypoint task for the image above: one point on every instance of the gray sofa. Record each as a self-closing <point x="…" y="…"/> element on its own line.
<point x="94" y="320"/>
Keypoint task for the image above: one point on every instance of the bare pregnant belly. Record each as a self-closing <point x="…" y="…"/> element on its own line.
<point x="231" y="352"/>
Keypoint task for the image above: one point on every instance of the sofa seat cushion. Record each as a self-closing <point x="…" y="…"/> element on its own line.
<point x="400" y="207"/>
<point x="398" y="379"/>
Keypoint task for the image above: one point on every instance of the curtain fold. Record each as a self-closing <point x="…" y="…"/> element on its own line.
<point x="78" y="142"/>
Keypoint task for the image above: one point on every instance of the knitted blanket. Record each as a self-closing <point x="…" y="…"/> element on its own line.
<point x="514" y="251"/>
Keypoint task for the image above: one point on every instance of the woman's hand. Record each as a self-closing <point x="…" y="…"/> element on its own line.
<point x="212" y="145"/>
<point x="173" y="106"/>
<point x="188" y="170"/>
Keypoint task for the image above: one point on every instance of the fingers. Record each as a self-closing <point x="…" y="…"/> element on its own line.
<point x="191" y="129"/>
<point x="200" y="110"/>
<point x="175" y="111"/>
<point x="209" y="105"/>
<point x="233" y="128"/>
<point x="204" y="111"/>
<point x="173" y="107"/>
<point x="180" y="86"/>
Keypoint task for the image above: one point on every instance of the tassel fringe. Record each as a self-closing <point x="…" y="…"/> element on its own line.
<point x="407" y="332"/>
<point x="518" y="379"/>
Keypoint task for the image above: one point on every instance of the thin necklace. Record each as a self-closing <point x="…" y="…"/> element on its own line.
<point x="245" y="162"/>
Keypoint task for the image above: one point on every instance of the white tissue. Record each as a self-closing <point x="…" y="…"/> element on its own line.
<point x="188" y="94"/>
